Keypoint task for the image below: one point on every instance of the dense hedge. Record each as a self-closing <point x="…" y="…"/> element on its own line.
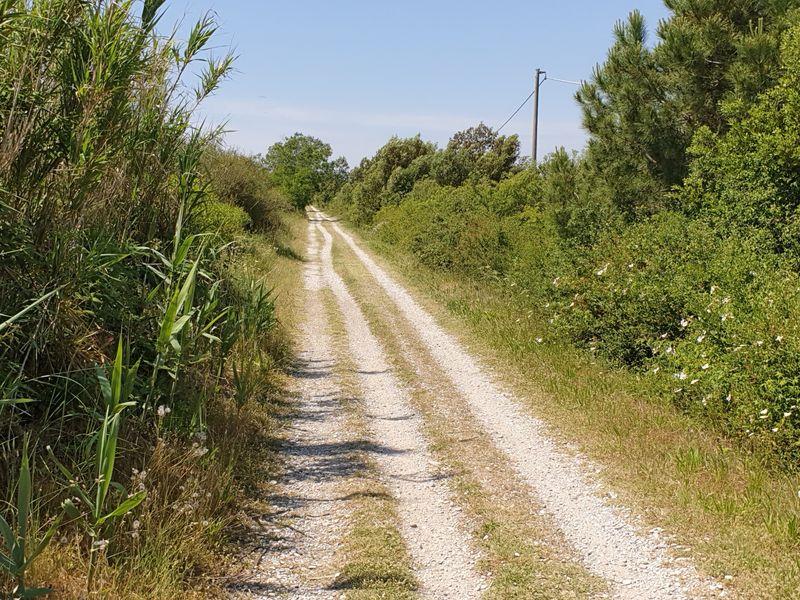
<point x="697" y="286"/>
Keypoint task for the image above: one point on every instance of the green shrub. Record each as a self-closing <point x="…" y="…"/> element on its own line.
<point x="736" y="357"/>
<point x="537" y="254"/>
<point x="447" y="228"/>
<point x="242" y="181"/>
<point x="631" y="289"/>
<point x="222" y="219"/>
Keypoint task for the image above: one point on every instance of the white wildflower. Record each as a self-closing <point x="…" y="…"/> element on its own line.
<point x="680" y="375"/>
<point x="779" y="338"/>
<point x="759" y="343"/>
<point x="684" y="323"/>
<point x="705" y="367"/>
<point x="602" y="271"/>
<point x="700" y="338"/>
<point x="539" y="340"/>
<point x="694" y="381"/>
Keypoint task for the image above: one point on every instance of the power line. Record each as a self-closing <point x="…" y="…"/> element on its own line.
<point x="514" y="114"/>
<point x="564" y="80"/>
<point x="521" y="106"/>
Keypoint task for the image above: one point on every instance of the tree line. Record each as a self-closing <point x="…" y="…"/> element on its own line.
<point x="669" y="245"/>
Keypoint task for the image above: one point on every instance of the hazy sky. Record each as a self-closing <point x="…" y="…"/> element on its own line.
<point x="354" y="72"/>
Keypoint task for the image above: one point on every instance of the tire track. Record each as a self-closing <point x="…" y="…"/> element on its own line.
<point x="430" y="522"/>
<point x="309" y="512"/>
<point x="607" y="539"/>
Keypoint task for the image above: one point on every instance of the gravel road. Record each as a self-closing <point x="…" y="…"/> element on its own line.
<point x="311" y="516"/>
<point x="431" y="523"/>
<point x="636" y="564"/>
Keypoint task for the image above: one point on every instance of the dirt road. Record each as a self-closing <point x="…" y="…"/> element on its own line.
<point x="393" y="347"/>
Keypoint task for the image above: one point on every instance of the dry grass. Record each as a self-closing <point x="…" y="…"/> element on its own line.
<point x="375" y="562"/>
<point x="523" y="553"/>
<point x="735" y="513"/>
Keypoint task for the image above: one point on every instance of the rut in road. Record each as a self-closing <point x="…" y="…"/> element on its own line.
<point x="606" y="537"/>
<point x="309" y="504"/>
<point x="431" y="523"/>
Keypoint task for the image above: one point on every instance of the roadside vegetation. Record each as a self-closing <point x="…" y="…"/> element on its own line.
<point x="139" y="337"/>
<point x="668" y="246"/>
<point x="650" y="282"/>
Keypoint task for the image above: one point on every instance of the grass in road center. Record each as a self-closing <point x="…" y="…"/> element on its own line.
<point x="375" y="560"/>
<point x="735" y="516"/>
<point x="524" y="555"/>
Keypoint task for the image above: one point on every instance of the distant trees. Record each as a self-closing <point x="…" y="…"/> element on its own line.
<point x="475" y="155"/>
<point x="301" y="167"/>
<point x="489" y="155"/>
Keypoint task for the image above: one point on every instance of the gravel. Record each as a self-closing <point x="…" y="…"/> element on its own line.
<point x="309" y="512"/>
<point x="637" y="565"/>
<point x="431" y="524"/>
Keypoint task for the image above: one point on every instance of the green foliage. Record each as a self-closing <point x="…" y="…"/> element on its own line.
<point x="302" y="168"/>
<point x="750" y="176"/>
<point x="114" y="213"/>
<point x="95" y="514"/>
<point x="489" y="156"/>
<point x="16" y="556"/>
<point x="243" y="182"/>
<point x="644" y="104"/>
<point x="226" y="221"/>
<point x="476" y="155"/>
<point x="447" y="228"/>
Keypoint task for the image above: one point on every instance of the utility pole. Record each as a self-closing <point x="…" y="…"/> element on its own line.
<point x="537" y="82"/>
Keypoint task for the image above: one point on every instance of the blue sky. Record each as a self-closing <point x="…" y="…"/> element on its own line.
<point x="354" y="73"/>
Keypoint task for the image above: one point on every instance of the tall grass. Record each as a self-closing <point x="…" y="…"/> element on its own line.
<point x="104" y="260"/>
